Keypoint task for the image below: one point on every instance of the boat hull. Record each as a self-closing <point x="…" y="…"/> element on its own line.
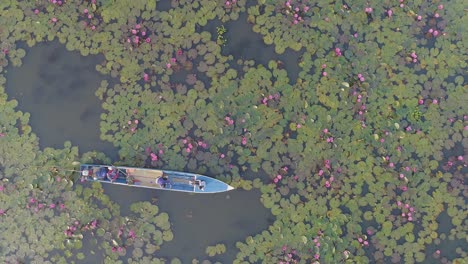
<point x="153" y="179"/>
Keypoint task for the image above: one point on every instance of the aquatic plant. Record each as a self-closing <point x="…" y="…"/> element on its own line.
<point x="215" y="250"/>
<point x="364" y="153"/>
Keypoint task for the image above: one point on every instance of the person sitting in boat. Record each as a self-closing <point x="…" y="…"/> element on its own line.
<point x="112" y="174"/>
<point x="87" y="174"/>
<point x="199" y="183"/>
<point x="101" y="173"/>
<point x="163" y="181"/>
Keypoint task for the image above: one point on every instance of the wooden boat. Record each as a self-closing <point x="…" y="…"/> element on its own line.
<point x="153" y="179"/>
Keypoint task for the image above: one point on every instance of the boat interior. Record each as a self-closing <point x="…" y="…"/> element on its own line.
<point x="140" y="177"/>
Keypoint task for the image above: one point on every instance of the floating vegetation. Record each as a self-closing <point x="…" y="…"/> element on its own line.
<point x="364" y="153"/>
<point x="221" y="39"/>
<point x="215" y="250"/>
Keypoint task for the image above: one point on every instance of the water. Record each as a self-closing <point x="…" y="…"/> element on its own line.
<point x="199" y="221"/>
<point x="59" y="94"/>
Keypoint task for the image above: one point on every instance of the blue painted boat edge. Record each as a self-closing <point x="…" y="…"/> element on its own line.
<point x="188" y="174"/>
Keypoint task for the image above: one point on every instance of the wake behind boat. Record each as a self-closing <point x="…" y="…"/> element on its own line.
<point x="153" y="179"/>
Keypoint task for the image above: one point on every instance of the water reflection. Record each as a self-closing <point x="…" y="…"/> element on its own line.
<point x="57" y="88"/>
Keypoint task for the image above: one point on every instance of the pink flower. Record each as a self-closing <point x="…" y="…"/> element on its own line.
<point x="275" y="180"/>
<point x="85" y="11"/>
<point x="173" y="60"/>
<point x="460" y="158"/>
<point x="368" y="10"/>
<point x="136" y="121"/>
<point x="366" y="243"/>
<point x="440" y="7"/>
<point x="325" y="130"/>
<point x="279" y="176"/>
<point x="145" y="77"/>
<point x="419" y="18"/>
<point x="114" y="249"/>
<point x="153" y="157"/>
<point x="52" y="206"/>
<point x="316" y="256"/>
<point x="222" y="156"/>
<point x="134" y="31"/>
<point x="147" y="40"/>
<point x="187" y="150"/>
<point x="137" y="26"/>
<point x="434" y="101"/>
<point x="54" y="20"/>
<point x="324" y="73"/>
<point x="168" y="65"/>
<point x="389" y="13"/>
<point x="244" y="140"/>
<point x="36" y="11"/>
<point x="298" y="126"/>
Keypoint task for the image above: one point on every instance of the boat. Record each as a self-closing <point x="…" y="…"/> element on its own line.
<point x="153" y="179"/>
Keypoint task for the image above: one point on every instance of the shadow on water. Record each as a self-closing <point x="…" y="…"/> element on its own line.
<point x="201" y="220"/>
<point x="57" y="88"/>
<point x="243" y="43"/>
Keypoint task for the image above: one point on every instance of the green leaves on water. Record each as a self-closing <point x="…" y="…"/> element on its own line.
<point x="215" y="250"/>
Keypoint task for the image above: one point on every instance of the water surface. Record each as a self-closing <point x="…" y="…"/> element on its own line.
<point x="57" y="88"/>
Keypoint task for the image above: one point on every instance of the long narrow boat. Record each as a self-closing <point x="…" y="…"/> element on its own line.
<point x="153" y="179"/>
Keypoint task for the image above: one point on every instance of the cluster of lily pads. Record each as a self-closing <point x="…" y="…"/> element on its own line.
<point x="365" y="150"/>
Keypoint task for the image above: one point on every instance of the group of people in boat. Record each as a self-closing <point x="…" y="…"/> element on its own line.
<point x="112" y="174"/>
<point x="109" y="173"/>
